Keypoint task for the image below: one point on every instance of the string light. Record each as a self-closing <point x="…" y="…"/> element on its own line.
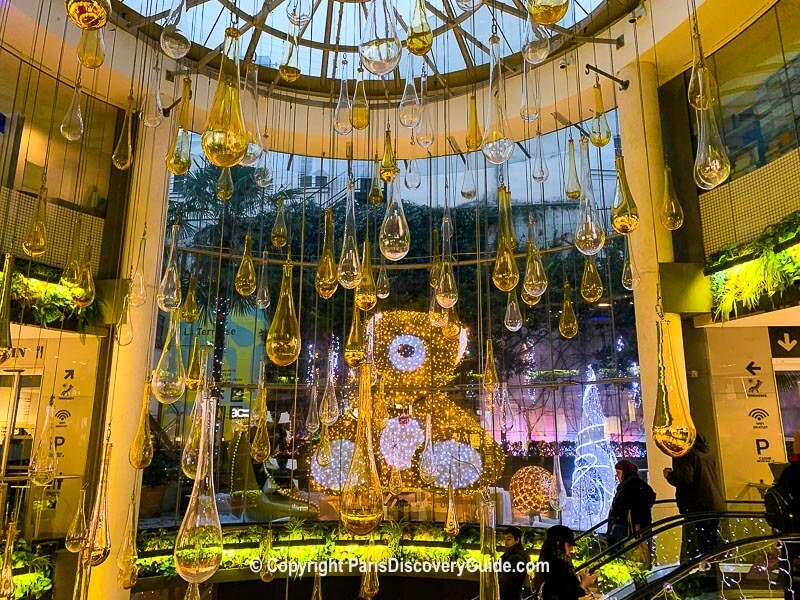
<point x="399" y="440"/>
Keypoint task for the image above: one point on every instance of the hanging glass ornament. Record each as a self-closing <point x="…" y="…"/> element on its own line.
<point x="44" y="460"/>
<point x="76" y="534"/>
<point x="590" y="236"/>
<point x="513" y="316"/>
<point x="179" y="156"/>
<point x="198" y="545"/>
<point x="437" y="315"/>
<point x="506" y="416"/>
<point x="395" y="482"/>
<point x="474" y="137"/>
<point x="536" y="47"/>
<point x="389" y="168"/>
<point x="224" y="138"/>
<point x="375" y="195"/>
<point x="497" y="145"/>
<point x="489" y="588"/>
<point x="535" y="281"/>
<point x="490" y="378"/>
<point x="394" y="238"/>
<point x="123" y="152"/>
<point x="252" y="120"/>
<point x="447" y="289"/>
<point x="245" y="281"/>
<point x="83" y="293"/>
<point x="88" y="14"/>
<point x="359" y="114"/>
<point x="469" y="190"/>
<point x="98" y="535"/>
<point x="370" y="586"/>
<point x="283" y="337"/>
<point x="261" y="446"/>
<point x="7" y="586"/>
<point x="173" y="42"/>
<point x="224" y="187"/>
<point x="505" y="274"/>
<point x="591" y="282"/>
<point x="425" y="135"/>
<point x="137" y="288"/>
<point x="299" y="12"/>
<point x="673" y="429"/>
<point x="141" y="451"/>
<point x="316" y="591"/>
<point x="266" y="573"/>
<point x="671" y="210"/>
<point x="451" y="526"/>
<point x="289" y="68"/>
<point x="380" y="48"/>
<point x="349" y="269"/>
<point x="342" y="114"/>
<point x="329" y="406"/>
<point x="325" y="280"/>
<point x="547" y="12"/>
<point x="599" y="131"/>
<point x="408" y="113"/>
<point x="711" y="164"/>
<point x="355" y="348"/>
<point x="630" y="276"/>
<point x="573" y="189"/>
<point x="92" y="49"/>
<point x="190" y="310"/>
<point x="71" y="273"/>
<point x="362" y="498"/>
<point x="194" y="371"/>
<point x="529" y="104"/>
<point x="190" y="453"/>
<point x="558" y="498"/>
<point x="382" y="284"/>
<point x="127" y="568"/>
<point x="72" y="124"/>
<point x="567" y="321"/>
<point x="702" y="87"/>
<point x="279" y="236"/>
<point x="6" y="342"/>
<point x="451" y="330"/>
<point x="169" y="378"/>
<point x="540" y="170"/>
<point x="313" y="422"/>
<point x="624" y="212"/>
<point x="420" y="34"/>
<point x="427" y="466"/>
<point x="168" y="296"/>
<point x="262" y="291"/>
<point x="412" y="178"/>
<point x="527" y="297"/>
<point x="262" y="175"/>
<point x="366" y="294"/>
<point x="152" y="112"/>
<point x="35" y="242"/>
<point x="436" y="261"/>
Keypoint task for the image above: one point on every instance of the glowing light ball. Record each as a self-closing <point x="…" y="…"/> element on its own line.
<point x="530" y="489"/>
<point x="399" y="441"/>
<point x="333" y="477"/>
<point x="455" y="463"/>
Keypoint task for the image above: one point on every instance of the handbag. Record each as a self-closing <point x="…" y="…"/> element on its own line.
<point x="640" y="553"/>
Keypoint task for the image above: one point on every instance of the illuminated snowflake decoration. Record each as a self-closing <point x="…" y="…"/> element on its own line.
<point x="455" y="463"/>
<point x="334" y="475"/>
<point x="399" y="441"/>
<point x="407" y="353"/>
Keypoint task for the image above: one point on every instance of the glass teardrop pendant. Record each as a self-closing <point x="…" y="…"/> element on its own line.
<point x="447" y="289"/>
<point x="567" y="321"/>
<point x="380" y="48"/>
<point x="299" y="12"/>
<point x="673" y="429"/>
<point x="92" y="49"/>
<point x="630" y="276"/>
<point x="395" y="482"/>
<point x="261" y="446"/>
<point x="83" y="293"/>
<point x="437" y="315"/>
<point x="279" y="236"/>
<point x="190" y="310"/>
<point x="513" y="317"/>
<point x="671" y="209"/>
<point x="474" y="137"/>
<point x="127" y="568"/>
<point x="536" y="48"/>
<point x="412" y="178"/>
<point x="98" y="534"/>
<point x="329" y="406"/>
<point x="349" y="269"/>
<point x="427" y="472"/>
<point x="505" y="274"/>
<point x="547" y="12"/>
<point x="452" y="329"/>
<point x="590" y="236"/>
<point x="35" y="242"/>
<point x="540" y="170"/>
<point x="362" y="498"/>
<point x="44" y="460"/>
<point x="375" y="195"/>
<point x="389" y="168"/>
<point x="71" y="127"/>
<point x="425" y="134"/>
<point x="255" y="145"/>
<point x="137" y="288"/>
<point x="359" y="114"/>
<point x="283" y="337"/>
<point x="6" y="341"/>
<point x="409" y="111"/>
<point x="436" y="261"/>
<point x="123" y="152"/>
<point x="224" y="188"/>
<point x="529" y="105"/>
<point x="599" y="131"/>
<point x="469" y="5"/>
<point x="173" y="42"/>
<point x="370" y="586"/>
<point x="289" y="68"/>
<point x="313" y="422"/>
<point x="558" y="498"/>
<point x="325" y="280"/>
<point x="528" y="298"/>
<point x="506" y="416"/>
<point x="497" y="145"/>
<point x="382" y="284"/>
<point x="179" y="156"/>
<point x="141" y="450"/>
<point x="152" y="113"/>
<point x="88" y="14"/>
<point x="701" y="90"/>
<point x="262" y="175"/>
<point x="451" y="526"/>
<point x="711" y="164"/>
<point x="342" y="114"/>
<point x="394" y="238"/>
<point x="469" y="190"/>
<point x="194" y="372"/>
<point x="355" y="347"/>
<point x="190" y="453"/>
<point x="535" y="281"/>
<point x="489" y="588"/>
<point x="591" y="282"/>
<point x="169" y="378"/>
<point x="168" y="296"/>
<point x="76" y="534"/>
<point x="490" y="378"/>
<point x="198" y="545"/>
<point x="624" y="212"/>
<point x="267" y="573"/>
<point x="262" y="291"/>
<point x="420" y="34"/>
<point x="366" y="294"/>
<point x="245" y="281"/>
<point x="7" y="586"/>
<point x="572" y="189"/>
<point x="224" y="138"/>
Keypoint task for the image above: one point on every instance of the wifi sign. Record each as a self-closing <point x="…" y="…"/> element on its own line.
<point x="63" y="414"/>
<point x="758" y="414"/>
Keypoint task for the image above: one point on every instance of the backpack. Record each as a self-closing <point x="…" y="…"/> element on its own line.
<point x="782" y="503"/>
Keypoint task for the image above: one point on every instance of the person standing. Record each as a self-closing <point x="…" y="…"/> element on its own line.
<point x="631" y="508"/>
<point x="512" y="578"/>
<point x="789" y="484"/>
<point x="560" y="581"/>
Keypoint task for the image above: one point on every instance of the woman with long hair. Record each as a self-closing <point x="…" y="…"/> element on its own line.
<point x="558" y="580"/>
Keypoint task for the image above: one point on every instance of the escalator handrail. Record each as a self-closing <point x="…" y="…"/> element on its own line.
<point x="619" y="548"/>
<point x="652" y="588"/>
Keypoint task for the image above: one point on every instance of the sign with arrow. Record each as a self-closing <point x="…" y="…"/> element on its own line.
<point x="752" y="368"/>
<point x="784" y="342"/>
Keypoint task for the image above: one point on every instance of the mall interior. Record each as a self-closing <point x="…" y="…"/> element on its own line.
<point x="297" y="291"/>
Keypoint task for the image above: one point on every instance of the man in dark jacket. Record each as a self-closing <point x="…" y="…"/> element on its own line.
<point x="512" y="578"/>
<point x="790" y="480"/>
<point x="631" y="508"/>
<point x="697" y="489"/>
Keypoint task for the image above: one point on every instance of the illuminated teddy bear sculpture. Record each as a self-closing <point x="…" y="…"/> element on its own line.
<point x="414" y="361"/>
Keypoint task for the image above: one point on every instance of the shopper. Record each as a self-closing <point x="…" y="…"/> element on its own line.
<point x="512" y="577"/>
<point x="789" y="485"/>
<point x="697" y="489"/>
<point x="631" y="508"/>
<point x="558" y="581"/>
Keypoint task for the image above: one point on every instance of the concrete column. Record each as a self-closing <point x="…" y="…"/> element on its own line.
<point x="640" y="130"/>
<point x="130" y="364"/>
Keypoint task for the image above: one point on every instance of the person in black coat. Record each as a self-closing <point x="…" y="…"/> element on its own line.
<point x="790" y="480"/>
<point x="512" y="578"/>
<point x="560" y="581"/>
<point x="631" y="508"/>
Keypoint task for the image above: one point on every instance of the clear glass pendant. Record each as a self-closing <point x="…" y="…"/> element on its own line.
<point x="76" y="534"/>
<point x="599" y="131"/>
<point x="289" y="68"/>
<point x="179" y="156"/>
<point x="313" y="422"/>
<point x="44" y="460"/>
<point x="83" y="293"/>
<point x="505" y="273"/>
<point x="349" y="268"/>
<point x="173" y="42"/>
<point x="469" y="190"/>
<point x="427" y="472"/>
<point x="127" y="568"/>
<point x="535" y="281"/>
<point x="558" y="498"/>
<point x="409" y="111"/>
<point x="437" y="315"/>
<point x="412" y="178"/>
<point x="141" y="451"/>
<point x="572" y="189"/>
<point x="447" y="289"/>
<point x="329" y="406"/>
<point x="255" y="146"/>
<point x="490" y="378"/>
<point x="35" y="242"/>
<point x="380" y="48"/>
<point x="489" y="588"/>
<point x="425" y="135"/>
<point x="702" y="87"/>
<point x="137" y="288"/>
<point x="513" y="316"/>
<point x="711" y="165"/>
<point x="394" y="238"/>
<point x="168" y="296"/>
<point x="279" y="235"/>
<point x="342" y="114"/>
<point x="529" y="105"/>
<point x="71" y="127"/>
<point x="224" y="187"/>
<point x="540" y="170"/>
<point x="92" y="49"/>
<point x="152" y="113"/>
<point x="497" y="144"/>
<point x="630" y="276"/>
<point x="671" y="214"/>
<point x="299" y="12"/>
<point x="591" y="282"/>
<point x="436" y="260"/>
<point x="451" y="526"/>
<point x="536" y="48"/>
<point x="382" y="284"/>
<point x="98" y="535"/>
<point x="169" y="377"/>
<point x="123" y="152"/>
<point x="590" y="236"/>
<point x="469" y="5"/>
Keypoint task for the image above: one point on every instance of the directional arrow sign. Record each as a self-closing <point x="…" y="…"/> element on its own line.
<point x="69" y="374"/>
<point x="784" y="342"/>
<point x="752" y="368"/>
